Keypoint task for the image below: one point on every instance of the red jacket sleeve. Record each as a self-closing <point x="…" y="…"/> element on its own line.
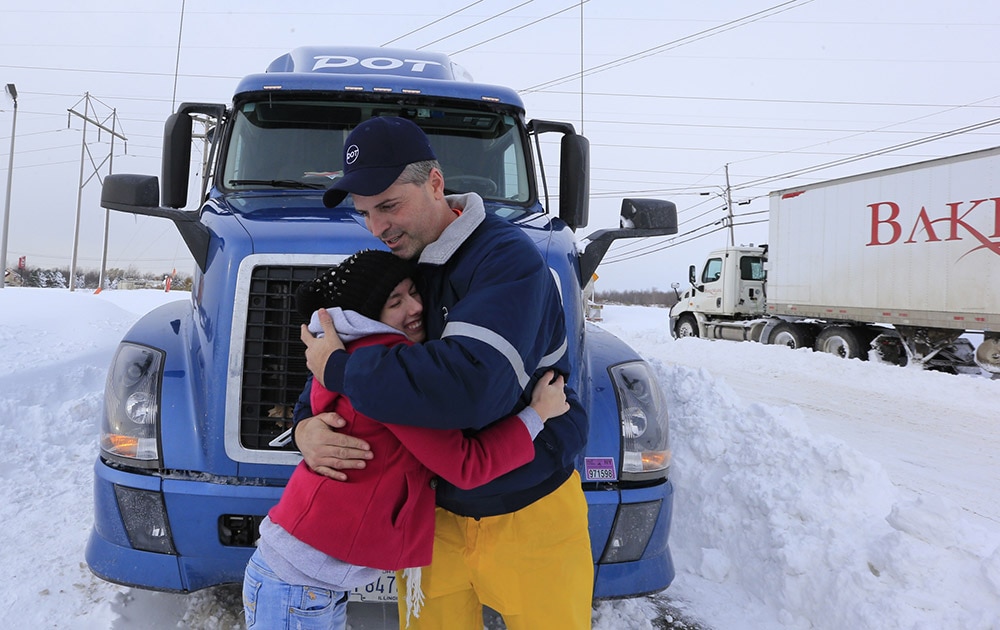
<point x="465" y="461"/>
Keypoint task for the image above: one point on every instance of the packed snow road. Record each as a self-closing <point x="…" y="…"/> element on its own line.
<point x="933" y="432"/>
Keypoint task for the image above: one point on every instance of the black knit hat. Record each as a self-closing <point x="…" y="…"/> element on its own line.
<point x="361" y="283"/>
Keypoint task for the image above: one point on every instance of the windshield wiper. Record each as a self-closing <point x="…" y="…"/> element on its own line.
<point x="276" y="183"/>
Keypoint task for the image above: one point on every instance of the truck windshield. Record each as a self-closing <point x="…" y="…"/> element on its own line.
<point x="297" y="144"/>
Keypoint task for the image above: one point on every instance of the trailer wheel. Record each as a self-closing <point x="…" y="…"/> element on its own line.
<point x="842" y="342"/>
<point x="687" y="326"/>
<point x="889" y="349"/>
<point x="792" y="335"/>
<point x="988" y="355"/>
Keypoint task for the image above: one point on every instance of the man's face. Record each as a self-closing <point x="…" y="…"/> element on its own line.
<point x="406" y="217"/>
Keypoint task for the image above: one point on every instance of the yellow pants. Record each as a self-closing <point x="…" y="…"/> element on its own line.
<point x="533" y="566"/>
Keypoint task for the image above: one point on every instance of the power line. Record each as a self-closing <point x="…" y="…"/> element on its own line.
<point x="868" y="154"/>
<point x="177" y="61"/>
<point x="789" y="101"/>
<point x="687" y="39"/>
<point x="515" y="30"/>
<point x="673" y="242"/>
<point x="433" y="22"/>
<point x="693" y="234"/>
<point x="119" y="72"/>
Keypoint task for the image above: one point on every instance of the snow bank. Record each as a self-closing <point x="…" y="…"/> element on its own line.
<point x="810" y="492"/>
<point x="776" y="526"/>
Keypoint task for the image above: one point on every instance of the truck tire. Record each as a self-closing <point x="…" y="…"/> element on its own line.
<point x="889" y="349"/>
<point x="687" y="326"/>
<point x="792" y="335"/>
<point x="988" y="355"/>
<point x="843" y="342"/>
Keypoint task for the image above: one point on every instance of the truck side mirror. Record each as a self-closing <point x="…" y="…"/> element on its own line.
<point x="574" y="171"/>
<point x="654" y="215"/>
<point x="176" y="163"/>
<point x="691" y="276"/>
<point x="140" y="194"/>
<point x="639" y="218"/>
<point x="574" y="181"/>
<point x="123" y="191"/>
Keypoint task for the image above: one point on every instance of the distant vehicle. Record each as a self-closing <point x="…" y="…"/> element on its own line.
<point x="194" y="447"/>
<point x="903" y="261"/>
<point x="13" y="279"/>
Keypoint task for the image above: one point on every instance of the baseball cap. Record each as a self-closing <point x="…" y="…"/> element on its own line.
<point x="375" y="154"/>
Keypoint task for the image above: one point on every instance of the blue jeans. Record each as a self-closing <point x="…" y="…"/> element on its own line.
<point x="270" y="604"/>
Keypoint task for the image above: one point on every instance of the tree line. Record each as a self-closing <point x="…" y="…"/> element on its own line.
<point x="647" y="297"/>
<point x="114" y="278"/>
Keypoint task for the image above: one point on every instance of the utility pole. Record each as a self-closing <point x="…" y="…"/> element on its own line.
<point x="85" y="152"/>
<point x="10" y="175"/>
<point x="728" y="201"/>
<point x="107" y="213"/>
<point x="729" y="208"/>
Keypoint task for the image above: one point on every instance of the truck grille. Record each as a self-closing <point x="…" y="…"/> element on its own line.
<point x="274" y="366"/>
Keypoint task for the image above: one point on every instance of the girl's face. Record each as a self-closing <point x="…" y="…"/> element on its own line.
<point x="404" y="311"/>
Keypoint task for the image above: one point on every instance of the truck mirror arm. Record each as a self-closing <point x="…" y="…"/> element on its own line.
<point x="140" y="194"/>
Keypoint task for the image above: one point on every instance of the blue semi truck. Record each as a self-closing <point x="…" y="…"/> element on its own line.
<point x="194" y="445"/>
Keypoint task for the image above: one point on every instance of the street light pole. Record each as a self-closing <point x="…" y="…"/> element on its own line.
<point x="10" y="177"/>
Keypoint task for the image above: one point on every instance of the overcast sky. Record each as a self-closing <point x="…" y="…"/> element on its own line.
<point x="672" y="93"/>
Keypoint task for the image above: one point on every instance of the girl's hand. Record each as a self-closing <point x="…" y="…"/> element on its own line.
<point x="548" y="399"/>
<point x="319" y="349"/>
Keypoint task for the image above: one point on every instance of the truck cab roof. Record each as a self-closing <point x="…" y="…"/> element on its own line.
<point x="365" y="69"/>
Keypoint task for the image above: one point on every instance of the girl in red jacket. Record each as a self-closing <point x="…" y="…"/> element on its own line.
<point x="324" y="537"/>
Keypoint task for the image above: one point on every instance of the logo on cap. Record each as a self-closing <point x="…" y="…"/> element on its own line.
<point x="351" y="156"/>
<point x="391" y="143"/>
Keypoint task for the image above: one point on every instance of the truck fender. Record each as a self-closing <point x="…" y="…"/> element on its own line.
<point x="698" y="320"/>
<point x="758" y="327"/>
<point x="763" y="333"/>
<point x="702" y="324"/>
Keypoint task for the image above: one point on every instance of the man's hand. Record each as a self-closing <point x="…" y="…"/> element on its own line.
<point x="325" y="450"/>
<point x="319" y="349"/>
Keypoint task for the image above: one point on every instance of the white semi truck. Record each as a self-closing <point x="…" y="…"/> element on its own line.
<point x="902" y="262"/>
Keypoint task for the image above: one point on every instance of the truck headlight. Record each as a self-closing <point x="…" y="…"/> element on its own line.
<point x="645" y="427"/>
<point x="131" y="406"/>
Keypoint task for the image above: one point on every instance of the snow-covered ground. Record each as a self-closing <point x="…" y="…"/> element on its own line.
<point x="811" y="492"/>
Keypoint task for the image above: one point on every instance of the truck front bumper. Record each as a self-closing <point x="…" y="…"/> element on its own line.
<point x="172" y="534"/>
<point x="629" y="531"/>
<point x="181" y="534"/>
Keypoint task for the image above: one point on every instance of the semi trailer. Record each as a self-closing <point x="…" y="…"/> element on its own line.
<point x="903" y="262"/>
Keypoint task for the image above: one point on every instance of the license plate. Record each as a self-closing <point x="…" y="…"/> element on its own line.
<point x="383" y="589"/>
